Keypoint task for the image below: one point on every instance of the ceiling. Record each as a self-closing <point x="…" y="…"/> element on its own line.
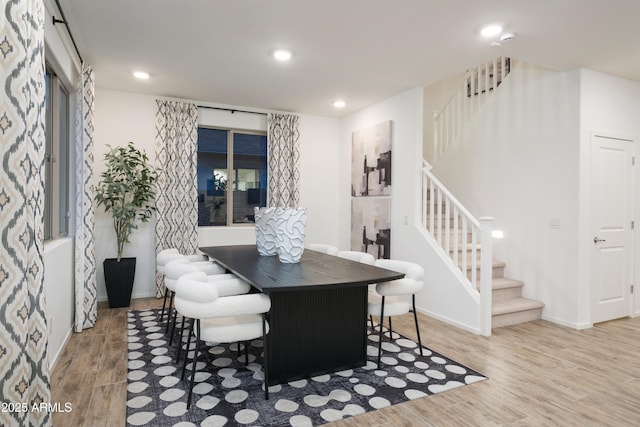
<point x="362" y="51"/>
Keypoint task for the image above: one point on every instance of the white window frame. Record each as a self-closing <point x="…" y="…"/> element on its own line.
<point x="231" y="176"/>
<point x="57" y="202"/>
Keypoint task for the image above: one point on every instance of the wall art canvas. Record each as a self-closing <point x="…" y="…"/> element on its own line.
<point x="371" y="225"/>
<point x="371" y="161"/>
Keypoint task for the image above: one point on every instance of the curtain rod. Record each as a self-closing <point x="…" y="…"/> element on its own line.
<point x="66" y="24"/>
<point x="233" y="110"/>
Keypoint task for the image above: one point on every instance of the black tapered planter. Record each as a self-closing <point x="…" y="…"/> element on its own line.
<point x="118" y="277"/>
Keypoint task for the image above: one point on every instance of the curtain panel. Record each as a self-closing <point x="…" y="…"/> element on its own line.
<point x="283" y="160"/>
<point x="85" y="257"/>
<point x="177" y="195"/>
<point x="24" y="372"/>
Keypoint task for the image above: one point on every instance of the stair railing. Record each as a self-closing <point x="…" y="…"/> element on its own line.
<point x="465" y="240"/>
<point x="470" y="94"/>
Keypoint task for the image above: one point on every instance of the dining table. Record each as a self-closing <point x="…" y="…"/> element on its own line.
<point x="318" y="316"/>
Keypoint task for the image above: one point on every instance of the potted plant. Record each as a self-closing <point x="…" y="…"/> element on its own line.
<point x="127" y="190"/>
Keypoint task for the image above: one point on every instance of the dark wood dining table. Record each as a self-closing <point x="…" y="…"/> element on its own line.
<point x="317" y="321"/>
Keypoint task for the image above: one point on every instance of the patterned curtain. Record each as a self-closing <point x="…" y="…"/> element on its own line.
<point x="85" y="257"/>
<point x="24" y="372"/>
<point x="177" y="199"/>
<point x="283" y="159"/>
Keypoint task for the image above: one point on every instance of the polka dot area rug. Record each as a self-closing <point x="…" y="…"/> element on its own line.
<point x="228" y="392"/>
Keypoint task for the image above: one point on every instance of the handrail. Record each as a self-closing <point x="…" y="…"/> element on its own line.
<point x="465" y="240"/>
<point x="426" y="167"/>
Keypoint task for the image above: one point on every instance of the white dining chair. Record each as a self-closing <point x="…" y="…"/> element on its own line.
<point x="364" y="258"/>
<point x="162" y="259"/>
<point x="221" y="319"/>
<point x="180" y="266"/>
<point x="391" y="296"/>
<point x="324" y="248"/>
<point x="357" y="256"/>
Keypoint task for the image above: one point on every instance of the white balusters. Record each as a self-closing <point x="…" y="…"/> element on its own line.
<point x="478" y="84"/>
<point x="461" y="236"/>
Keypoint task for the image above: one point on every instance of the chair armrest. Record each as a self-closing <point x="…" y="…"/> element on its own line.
<point x="229" y="286"/>
<point x="238" y="305"/>
<point x="167" y="255"/>
<point x="197" y="258"/>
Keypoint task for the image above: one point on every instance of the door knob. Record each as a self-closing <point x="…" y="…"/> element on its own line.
<point x="596" y="240"/>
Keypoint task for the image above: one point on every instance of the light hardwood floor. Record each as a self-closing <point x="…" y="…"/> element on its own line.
<point x="540" y="374"/>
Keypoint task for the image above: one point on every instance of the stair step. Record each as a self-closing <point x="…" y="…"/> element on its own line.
<point x="515" y="310"/>
<point x="504" y="289"/>
<point x="462" y="236"/>
<point x="497" y="266"/>
<point x="504" y="286"/>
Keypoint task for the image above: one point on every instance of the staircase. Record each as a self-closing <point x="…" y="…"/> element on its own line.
<point x="508" y="307"/>
<point x="464" y="240"/>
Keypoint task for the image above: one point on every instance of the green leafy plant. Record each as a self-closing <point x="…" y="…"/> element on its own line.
<point x="127" y="190"/>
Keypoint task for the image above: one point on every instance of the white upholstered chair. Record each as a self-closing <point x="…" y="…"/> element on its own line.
<point x="221" y="319"/>
<point x="164" y="257"/>
<point x="321" y="247"/>
<point x="189" y="264"/>
<point x="362" y="257"/>
<point x="391" y="296"/>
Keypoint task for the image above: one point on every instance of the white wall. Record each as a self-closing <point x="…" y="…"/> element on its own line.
<point x="435" y="98"/>
<point x="442" y="297"/>
<point x="518" y="161"/>
<point x="59" y="293"/>
<point x="123" y="117"/>
<point x="609" y="104"/>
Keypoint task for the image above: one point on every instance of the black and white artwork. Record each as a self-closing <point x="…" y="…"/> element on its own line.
<point x="371" y="161"/>
<point x="371" y="225"/>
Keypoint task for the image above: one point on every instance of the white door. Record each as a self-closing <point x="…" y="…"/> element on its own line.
<point x="611" y="207"/>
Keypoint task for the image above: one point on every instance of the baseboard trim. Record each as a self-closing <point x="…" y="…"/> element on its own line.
<point x="562" y="322"/>
<point x="53" y="362"/>
<point x="133" y="296"/>
<point x="459" y="325"/>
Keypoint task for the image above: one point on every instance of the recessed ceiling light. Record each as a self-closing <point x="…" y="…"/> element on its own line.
<point x="491" y="30"/>
<point x="140" y="75"/>
<point x="339" y="104"/>
<point x="282" y="55"/>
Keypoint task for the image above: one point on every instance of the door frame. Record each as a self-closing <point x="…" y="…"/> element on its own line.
<point x="633" y="244"/>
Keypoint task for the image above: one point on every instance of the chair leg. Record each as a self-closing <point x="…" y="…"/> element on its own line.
<point x="246" y="352"/>
<point x="415" y="318"/>
<point x="180" y="341"/>
<point x="164" y="303"/>
<point x="169" y="311"/>
<point x="381" y="328"/>
<point x="390" y="329"/>
<point x="371" y="321"/>
<point x="265" y="365"/>
<point x="194" y="363"/>
<point x="186" y="356"/>
<point x="173" y="328"/>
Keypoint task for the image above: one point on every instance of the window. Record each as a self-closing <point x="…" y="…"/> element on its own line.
<point x="232" y="175"/>
<point x="56" y="182"/>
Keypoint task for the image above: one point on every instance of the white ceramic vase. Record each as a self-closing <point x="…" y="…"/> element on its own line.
<point x="291" y="231"/>
<point x="266" y="230"/>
